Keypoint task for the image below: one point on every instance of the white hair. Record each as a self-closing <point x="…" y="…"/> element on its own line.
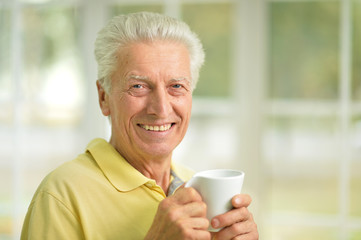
<point x="123" y="30"/>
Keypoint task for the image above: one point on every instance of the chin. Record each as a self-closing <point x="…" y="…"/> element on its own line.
<point x="159" y="152"/>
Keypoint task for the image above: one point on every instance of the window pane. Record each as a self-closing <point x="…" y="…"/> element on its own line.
<point x="6" y="120"/>
<point x="212" y="22"/>
<point x="296" y="139"/>
<point x="5" y="68"/>
<point x="355" y="190"/>
<point x="216" y="143"/>
<point x="356" y="51"/>
<point x="276" y="232"/>
<point x="301" y="158"/>
<point x="355" y="235"/>
<point x="53" y="81"/>
<point x="124" y="9"/>
<point x="304" y="46"/>
<point x="355" y="209"/>
<point x="5" y="203"/>
<point x="302" y="193"/>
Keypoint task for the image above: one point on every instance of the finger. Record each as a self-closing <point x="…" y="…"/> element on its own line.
<point x="249" y="236"/>
<point x="199" y="223"/>
<point x="187" y="195"/>
<point x="241" y="230"/>
<point x="199" y="234"/>
<point x="233" y="216"/>
<point x="195" y="209"/>
<point x="189" y="210"/>
<point x="241" y="200"/>
<point x="193" y="228"/>
<point x="195" y="234"/>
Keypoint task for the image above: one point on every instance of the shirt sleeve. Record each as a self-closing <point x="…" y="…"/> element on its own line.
<point x="49" y="218"/>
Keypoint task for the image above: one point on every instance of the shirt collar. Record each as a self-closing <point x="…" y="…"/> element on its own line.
<point x="117" y="170"/>
<point x="175" y="183"/>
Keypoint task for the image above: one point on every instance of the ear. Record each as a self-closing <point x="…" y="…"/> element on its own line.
<point x="103" y="99"/>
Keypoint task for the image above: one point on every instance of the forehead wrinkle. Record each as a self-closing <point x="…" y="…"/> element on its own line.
<point x="137" y="77"/>
<point x="141" y="77"/>
<point x="180" y="79"/>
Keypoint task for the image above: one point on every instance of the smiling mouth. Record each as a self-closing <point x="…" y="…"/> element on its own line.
<point x="156" y="128"/>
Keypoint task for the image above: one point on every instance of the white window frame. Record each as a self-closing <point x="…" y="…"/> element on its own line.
<point x="250" y="45"/>
<point x="344" y="108"/>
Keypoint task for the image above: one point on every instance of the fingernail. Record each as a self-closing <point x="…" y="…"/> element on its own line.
<point x="238" y="201"/>
<point x="215" y="223"/>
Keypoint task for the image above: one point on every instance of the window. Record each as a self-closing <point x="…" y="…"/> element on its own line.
<point x="127" y="8"/>
<point x="356" y="50"/>
<point x="355" y="182"/>
<point x="42" y="100"/>
<point x="216" y="36"/>
<point x="6" y="86"/>
<point x="304" y="52"/>
<point x="310" y="140"/>
<point x="52" y="81"/>
<point x="279" y="97"/>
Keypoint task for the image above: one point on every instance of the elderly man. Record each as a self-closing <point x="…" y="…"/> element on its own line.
<point x="125" y="188"/>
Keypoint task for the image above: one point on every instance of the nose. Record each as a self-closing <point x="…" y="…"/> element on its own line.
<point x="159" y="103"/>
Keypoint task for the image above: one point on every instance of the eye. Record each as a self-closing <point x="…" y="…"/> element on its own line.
<point x="178" y="89"/>
<point x="138" y="89"/>
<point x="137" y="86"/>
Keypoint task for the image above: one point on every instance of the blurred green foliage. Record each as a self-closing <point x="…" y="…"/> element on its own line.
<point x="355" y="192"/>
<point x="304" y="50"/>
<point x="300" y="195"/>
<point x="356" y="51"/>
<point x="125" y="9"/>
<point x="302" y="233"/>
<point x="355" y="235"/>
<point x="5" y="46"/>
<point x="6" y="85"/>
<point x="50" y="34"/>
<point x="213" y="24"/>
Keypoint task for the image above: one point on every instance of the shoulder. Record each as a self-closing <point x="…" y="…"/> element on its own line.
<point x="82" y="165"/>
<point x="69" y="177"/>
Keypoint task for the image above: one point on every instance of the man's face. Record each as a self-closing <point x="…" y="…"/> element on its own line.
<point x="150" y="99"/>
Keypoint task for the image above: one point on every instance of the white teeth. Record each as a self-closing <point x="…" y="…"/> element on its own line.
<point x="161" y="128"/>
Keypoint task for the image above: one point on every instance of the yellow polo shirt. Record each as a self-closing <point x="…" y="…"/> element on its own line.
<point x="98" y="195"/>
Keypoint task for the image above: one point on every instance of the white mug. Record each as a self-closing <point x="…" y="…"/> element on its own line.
<point x="217" y="188"/>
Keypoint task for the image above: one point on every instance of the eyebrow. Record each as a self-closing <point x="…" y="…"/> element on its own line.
<point x="140" y="77"/>
<point x="181" y="79"/>
<point x="137" y="77"/>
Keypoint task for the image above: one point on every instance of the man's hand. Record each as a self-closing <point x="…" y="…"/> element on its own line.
<point x="237" y="224"/>
<point x="180" y="216"/>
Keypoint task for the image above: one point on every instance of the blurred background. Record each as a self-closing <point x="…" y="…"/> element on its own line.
<point x="279" y="98"/>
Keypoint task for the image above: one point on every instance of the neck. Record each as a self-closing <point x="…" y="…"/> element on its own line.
<point x="159" y="171"/>
<point x="153" y="167"/>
